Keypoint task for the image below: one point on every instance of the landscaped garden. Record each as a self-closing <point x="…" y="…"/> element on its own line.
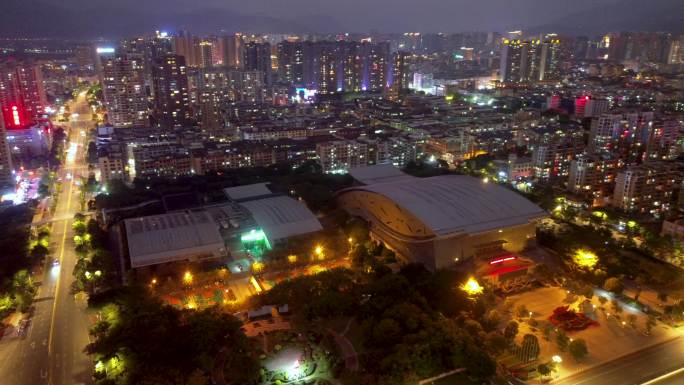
<point x="296" y="358"/>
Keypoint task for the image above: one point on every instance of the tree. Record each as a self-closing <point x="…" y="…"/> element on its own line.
<point x="631" y="319"/>
<point x="578" y="349"/>
<point x="79" y="227"/>
<point x="38" y="252"/>
<point x="521" y="311"/>
<point x="562" y="340"/>
<point x="614" y="285"/>
<point x="492" y="319"/>
<point x="602" y="300"/>
<point x="511" y="331"/>
<point x="23" y="289"/>
<point x="662" y="297"/>
<point x="164" y="345"/>
<point x="544" y="369"/>
<point x="546" y="330"/>
<point x="616" y="307"/>
<point x="478" y="363"/>
<point x="587" y="291"/>
<point x="496" y="342"/>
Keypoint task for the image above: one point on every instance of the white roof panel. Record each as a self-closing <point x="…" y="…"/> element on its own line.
<point x="247" y="191"/>
<point x="282" y="217"/>
<point x="171" y="237"/>
<point x="377" y="173"/>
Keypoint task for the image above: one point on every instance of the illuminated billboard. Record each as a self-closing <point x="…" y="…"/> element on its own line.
<point x="104" y="50"/>
<point x="304" y="95"/>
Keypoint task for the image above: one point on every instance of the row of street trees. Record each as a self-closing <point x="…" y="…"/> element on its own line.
<point x="22" y="250"/>
<point x="95" y="269"/>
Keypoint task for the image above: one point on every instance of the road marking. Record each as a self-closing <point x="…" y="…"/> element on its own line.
<point x="61" y="259"/>
<point x="663" y="377"/>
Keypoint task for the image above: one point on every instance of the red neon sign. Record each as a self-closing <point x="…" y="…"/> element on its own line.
<point x="15" y="116"/>
<point x="501" y="260"/>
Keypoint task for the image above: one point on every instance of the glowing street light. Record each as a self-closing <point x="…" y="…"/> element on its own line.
<point x="585" y="258"/>
<point x="258" y="267"/>
<point x="187" y="278"/>
<point x="292" y="258"/>
<point x="318" y="250"/>
<point x="472" y="287"/>
<point x="557" y="359"/>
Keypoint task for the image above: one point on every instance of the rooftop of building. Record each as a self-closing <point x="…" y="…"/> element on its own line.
<point x="170" y="237"/>
<point x="279" y="216"/>
<point x="449" y="204"/>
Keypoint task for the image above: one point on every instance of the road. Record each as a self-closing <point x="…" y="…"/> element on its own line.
<point x="52" y="350"/>
<point x="675" y="377"/>
<point x="636" y="369"/>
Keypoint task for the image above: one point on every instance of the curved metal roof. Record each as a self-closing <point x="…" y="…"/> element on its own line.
<point x="457" y="203"/>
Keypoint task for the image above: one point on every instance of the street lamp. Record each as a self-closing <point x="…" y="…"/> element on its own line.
<point x="319" y="251"/>
<point x="472" y="287"/>
<point x="187" y="278"/>
<point x="557" y="359"/>
<point x="258" y="266"/>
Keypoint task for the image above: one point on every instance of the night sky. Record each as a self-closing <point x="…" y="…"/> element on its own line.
<point x="105" y="17"/>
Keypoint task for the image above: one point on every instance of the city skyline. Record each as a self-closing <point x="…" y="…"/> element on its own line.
<point x="252" y="193"/>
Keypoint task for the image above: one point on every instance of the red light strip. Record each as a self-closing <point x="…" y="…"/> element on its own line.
<point x="500" y="260"/>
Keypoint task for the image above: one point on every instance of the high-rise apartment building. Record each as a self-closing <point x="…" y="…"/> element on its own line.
<point x="291" y="62"/>
<point x="352" y="65"/>
<point x="171" y="101"/>
<point x="593" y="176"/>
<point x="340" y="156"/>
<point x="400" y="74"/>
<point x="22" y="93"/>
<point x="551" y="159"/>
<point x="511" y="57"/>
<point x="257" y="57"/>
<point x="123" y="87"/>
<point x="529" y="60"/>
<point x="206" y="51"/>
<point x="187" y="46"/>
<point x="624" y="135"/>
<point x="6" y="177"/>
<point x="375" y="56"/>
<point x="327" y="71"/>
<point x="232" y="50"/>
<point x="648" y="188"/>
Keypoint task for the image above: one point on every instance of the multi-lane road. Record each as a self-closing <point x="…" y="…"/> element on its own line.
<point x="655" y="365"/>
<point x="52" y="350"/>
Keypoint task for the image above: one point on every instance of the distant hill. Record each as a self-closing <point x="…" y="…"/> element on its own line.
<point x="628" y="15"/>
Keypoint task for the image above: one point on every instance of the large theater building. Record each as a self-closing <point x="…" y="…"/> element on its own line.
<point x="442" y="220"/>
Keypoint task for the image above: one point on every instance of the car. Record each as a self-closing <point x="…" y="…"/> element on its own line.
<point x="55" y="262"/>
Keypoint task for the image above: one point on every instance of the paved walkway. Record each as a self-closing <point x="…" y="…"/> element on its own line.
<point x="351" y="358"/>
